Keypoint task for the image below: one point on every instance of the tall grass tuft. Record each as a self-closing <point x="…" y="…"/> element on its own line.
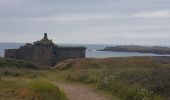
<point x="47" y="90"/>
<point x="34" y="90"/>
<point x="134" y="78"/>
<point x="125" y="91"/>
<point x="16" y="63"/>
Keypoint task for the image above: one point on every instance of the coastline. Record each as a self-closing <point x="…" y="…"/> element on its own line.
<point x="139" y="49"/>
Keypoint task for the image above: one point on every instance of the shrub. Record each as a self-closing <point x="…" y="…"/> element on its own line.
<point x="9" y="73"/>
<point x="34" y="90"/>
<point x="132" y="78"/>
<point x="16" y="63"/>
<point x="47" y="91"/>
<point x="125" y="91"/>
<point x="82" y="77"/>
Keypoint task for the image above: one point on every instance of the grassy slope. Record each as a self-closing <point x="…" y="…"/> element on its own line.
<point x="19" y="80"/>
<point x="37" y="90"/>
<point x="16" y="63"/>
<point x="134" y="78"/>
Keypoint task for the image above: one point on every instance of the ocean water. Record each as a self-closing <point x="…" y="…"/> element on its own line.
<point x="91" y="51"/>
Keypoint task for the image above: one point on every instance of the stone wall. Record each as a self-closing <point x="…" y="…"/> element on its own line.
<point x="63" y="53"/>
<point x="11" y="53"/>
<point x="26" y="53"/>
<point x="44" y="52"/>
<point x="43" y="55"/>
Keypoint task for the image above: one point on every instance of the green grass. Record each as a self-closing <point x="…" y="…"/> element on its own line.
<point x="37" y="90"/>
<point x="125" y="90"/>
<point x="8" y="85"/>
<point x="135" y="78"/>
<point x="47" y="90"/>
<point x="83" y="76"/>
<point x="17" y="68"/>
<point x="21" y="80"/>
<point x="16" y="72"/>
<point x="16" y="63"/>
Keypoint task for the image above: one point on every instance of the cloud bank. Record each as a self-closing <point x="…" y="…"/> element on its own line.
<point x="153" y="14"/>
<point x="86" y="21"/>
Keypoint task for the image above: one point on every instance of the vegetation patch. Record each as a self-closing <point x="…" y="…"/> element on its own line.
<point x="46" y="91"/>
<point x="83" y="76"/>
<point x="18" y="72"/>
<point x="134" y="78"/>
<point x="16" y="63"/>
<point x="124" y="90"/>
<point x="34" y="90"/>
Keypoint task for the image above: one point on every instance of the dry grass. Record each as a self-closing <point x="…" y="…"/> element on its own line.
<point x="128" y="78"/>
<point x="127" y="75"/>
<point x="33" y="90"/>
<point x="21" y="80"/>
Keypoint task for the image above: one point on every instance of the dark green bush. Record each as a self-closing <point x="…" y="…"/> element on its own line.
<point x="16" y="63"/>
<point x="125" y="91"/>
<point x="47" y="90"/>
<point x="82" y="77"/>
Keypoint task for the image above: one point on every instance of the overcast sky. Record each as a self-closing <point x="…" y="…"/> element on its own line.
<point x="145" y="22"/>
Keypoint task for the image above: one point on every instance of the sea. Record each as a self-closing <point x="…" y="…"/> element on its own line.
<point x="91" y="52"/>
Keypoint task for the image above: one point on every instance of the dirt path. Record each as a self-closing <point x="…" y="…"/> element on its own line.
<point x="81" y="92"/>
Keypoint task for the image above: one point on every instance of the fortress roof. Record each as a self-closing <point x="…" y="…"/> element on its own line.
<point x="44" y="41"/>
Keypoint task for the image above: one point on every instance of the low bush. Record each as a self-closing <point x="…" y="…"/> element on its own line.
<point x="125" y="91"/>
<point x="18" y="72"/>
<point x="47" y="91"/>
<point x="34" y="90"/>
<point x="16" y="63"/>
<point x="134" y="78"/>
<point x="82" y="76"/>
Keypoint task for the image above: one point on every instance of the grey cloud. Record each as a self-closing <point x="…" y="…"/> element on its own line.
<point x="76" y="19"/>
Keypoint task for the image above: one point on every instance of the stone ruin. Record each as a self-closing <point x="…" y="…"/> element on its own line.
<point x="45" y="52"/>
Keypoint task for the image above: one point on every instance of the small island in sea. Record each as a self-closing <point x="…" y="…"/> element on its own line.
<point x="139" y="49"/>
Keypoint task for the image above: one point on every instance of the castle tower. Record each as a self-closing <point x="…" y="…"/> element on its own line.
<point x="44" y="41"/>
<point x="45" y="53"/>
<point x="45" y="36"/>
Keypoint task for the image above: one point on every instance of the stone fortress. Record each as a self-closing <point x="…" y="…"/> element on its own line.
<point x="45" y="52"/>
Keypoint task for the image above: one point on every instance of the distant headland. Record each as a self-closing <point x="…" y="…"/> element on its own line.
<point x="139" y="49"/>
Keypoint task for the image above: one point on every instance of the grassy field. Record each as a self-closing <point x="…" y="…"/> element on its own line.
<point x="20" y="80"/>
<point x="135" y="78"/>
